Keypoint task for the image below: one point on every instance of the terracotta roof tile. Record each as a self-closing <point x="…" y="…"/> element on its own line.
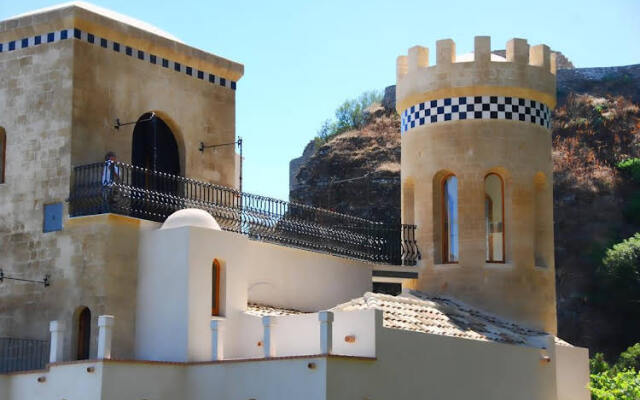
<point x="420" y="312"/>
<point x="261" y="310"/>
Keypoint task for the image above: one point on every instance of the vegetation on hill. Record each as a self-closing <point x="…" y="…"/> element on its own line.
<point x="618" y="381"/>
<point x="350" y="115"/>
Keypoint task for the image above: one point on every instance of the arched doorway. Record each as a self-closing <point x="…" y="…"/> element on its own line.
<point x="154" y="146"/>
<point x="155" y="149"/>
<point x="83" y="334"/>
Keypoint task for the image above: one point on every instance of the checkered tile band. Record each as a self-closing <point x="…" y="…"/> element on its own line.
<point x="476" y="107"/>
<point x="116" y="47"/>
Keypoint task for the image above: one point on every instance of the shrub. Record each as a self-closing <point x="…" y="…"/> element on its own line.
<point x="350" y="115"/>
<point x="631" y="167"/>
<point x="623" y="385"/>
<point x="629" y="359"/>
<point x="620" y="273"/>
<point x="598" y="364"/>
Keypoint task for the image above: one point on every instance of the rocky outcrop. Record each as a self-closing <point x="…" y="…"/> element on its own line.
<point x="296" y="163"/>
<point x="357" y="172"/>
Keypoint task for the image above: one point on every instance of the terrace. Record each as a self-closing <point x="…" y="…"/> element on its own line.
<point x="152" y="195"/>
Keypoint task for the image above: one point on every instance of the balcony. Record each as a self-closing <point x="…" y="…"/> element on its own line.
<point x="152" y="195"/>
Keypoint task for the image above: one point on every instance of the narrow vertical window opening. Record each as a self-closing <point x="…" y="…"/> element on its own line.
<point x="215" y="288"/>
<point x="83" y="334"/>
<point x="450" y="219"/>
<point x="494" y="218"/>
<point x="3" y="153"/>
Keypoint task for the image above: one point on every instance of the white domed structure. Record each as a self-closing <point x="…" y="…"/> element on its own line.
<point x="191" y="217"/>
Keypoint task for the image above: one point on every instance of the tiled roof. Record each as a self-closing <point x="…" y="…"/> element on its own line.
<point x="261" y="310"/>
<point x="419" y="312"/>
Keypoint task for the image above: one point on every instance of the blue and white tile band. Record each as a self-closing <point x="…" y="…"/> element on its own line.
<point x="117" y="47"/>
<point x="476" y="107"/>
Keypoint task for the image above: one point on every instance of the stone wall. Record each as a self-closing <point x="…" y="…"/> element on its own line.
<point x="59" y="101"/>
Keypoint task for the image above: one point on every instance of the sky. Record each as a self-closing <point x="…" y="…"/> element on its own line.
<point x="303" y="58"/>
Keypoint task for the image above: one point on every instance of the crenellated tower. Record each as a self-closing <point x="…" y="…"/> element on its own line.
<point x="477" y="174"/>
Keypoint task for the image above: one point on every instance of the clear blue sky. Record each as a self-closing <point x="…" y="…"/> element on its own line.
<point x="303" y="58"/>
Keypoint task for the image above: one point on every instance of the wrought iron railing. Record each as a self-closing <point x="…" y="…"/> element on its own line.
<point x="130" y="190"/>
<point x="22" y="354"/>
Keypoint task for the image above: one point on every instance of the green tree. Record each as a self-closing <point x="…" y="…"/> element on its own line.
<point x="628" y="359"/>
<point x="623" y="385"/>
<point x="598" y="364"/>
<point x="631" y="167"/>
<point x="620" y="276"/>
<point x="352" y="114"/>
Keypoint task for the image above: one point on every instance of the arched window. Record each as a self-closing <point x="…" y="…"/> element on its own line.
<point x="215" y="288"/>
<point x="3" y="153"/>
<point x="83" y="334"/>
<point x="494" y="217"/>
<point x="450" y="219"/>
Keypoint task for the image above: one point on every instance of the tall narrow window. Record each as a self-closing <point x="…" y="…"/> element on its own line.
<point x="215" y="288"/>
<point x="450" y="219"/>
<point x="3" y="153"/>
<point x="494" y="217"/>
<point x="83" y="334"/>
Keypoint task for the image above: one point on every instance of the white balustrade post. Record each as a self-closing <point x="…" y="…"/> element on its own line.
<point x="56" y="329"/>
<point x="269" y="344"/>
<point x="216" y="340"/>
<point x="105" y="334"/>
<point x="326" y="331"/>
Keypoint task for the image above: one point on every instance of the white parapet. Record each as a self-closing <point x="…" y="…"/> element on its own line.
<point x="56" y="329"/>
<point x="105" y="334"/>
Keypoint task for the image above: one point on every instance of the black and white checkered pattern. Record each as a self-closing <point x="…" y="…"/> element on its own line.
<point x="116" y="47"/>
<point x="476" y="107"/>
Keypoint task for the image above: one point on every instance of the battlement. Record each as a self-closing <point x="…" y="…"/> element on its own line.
<point x="526" y="71"/>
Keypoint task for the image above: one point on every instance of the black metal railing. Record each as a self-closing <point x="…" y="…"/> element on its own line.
<point x="22" y="354"/>
<point x="130" y="190"/>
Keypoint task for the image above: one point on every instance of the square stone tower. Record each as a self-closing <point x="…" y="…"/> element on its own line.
<point x="477" y="175"/>
<point x="66" y="74"/>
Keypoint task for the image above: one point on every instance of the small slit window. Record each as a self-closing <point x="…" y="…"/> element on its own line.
<point x="494" y="218"/>
<point x="3" y="153"/>
<point x="450" y="219"/>
<point x="215" y="288"/>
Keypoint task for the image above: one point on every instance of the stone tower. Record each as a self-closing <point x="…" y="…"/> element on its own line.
<point x="477" y="175"/>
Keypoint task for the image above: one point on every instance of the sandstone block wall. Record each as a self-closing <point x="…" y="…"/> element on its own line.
<point x="59" y="101"/>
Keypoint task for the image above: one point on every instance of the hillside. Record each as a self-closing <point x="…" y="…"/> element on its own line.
<point x="596" y="124"/>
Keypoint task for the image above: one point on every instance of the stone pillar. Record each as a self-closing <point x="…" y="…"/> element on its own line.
<point x="56" y="329"/>
<point x="326" y="331"/>
<point x="216" y="340"/>
<point x="268" y="342"/>
<point x="105" y="334"/>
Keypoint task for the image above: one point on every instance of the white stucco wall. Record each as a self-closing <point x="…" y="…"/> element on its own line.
<point x="174" y="289"/>
<point x="410" y="365"/>
<point x="304" y="280"/>
<point x="70" y="381"/>
<point x="360" y="324"/>
<point x="296" y="335"/>
<point x="162" y="318"/>
<point x="572" y="373"/>
<point x="259" y="379"/>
